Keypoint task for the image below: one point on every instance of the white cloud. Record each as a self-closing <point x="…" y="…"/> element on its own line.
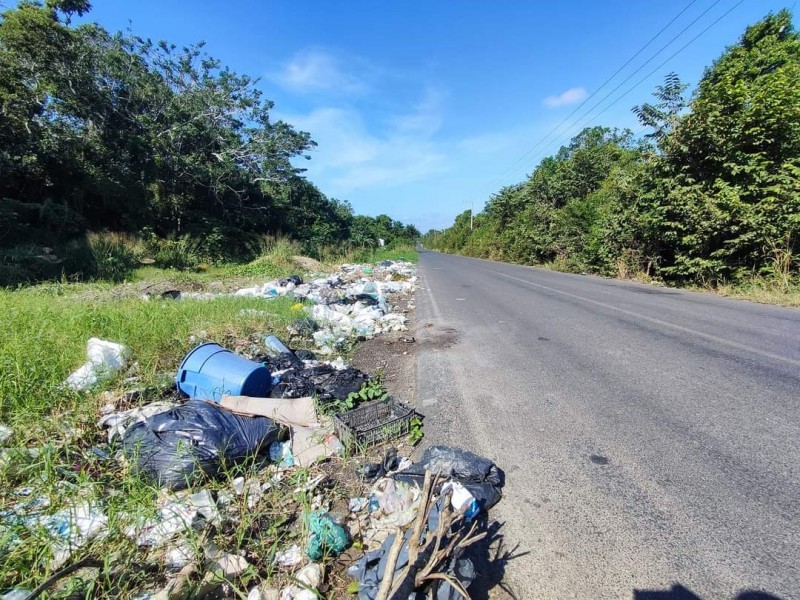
<point x="315" y="70"/>
<point x="571" y="96"/>
<point x="352" y="156"/>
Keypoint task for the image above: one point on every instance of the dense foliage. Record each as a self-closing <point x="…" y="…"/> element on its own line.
<point x="711" y="194"/>
<point x="102" y="131"/>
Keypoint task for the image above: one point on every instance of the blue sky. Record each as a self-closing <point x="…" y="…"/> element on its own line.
<point x="422" y="109"/>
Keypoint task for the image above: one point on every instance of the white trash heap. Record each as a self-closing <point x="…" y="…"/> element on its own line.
<point x="350" y="303"/>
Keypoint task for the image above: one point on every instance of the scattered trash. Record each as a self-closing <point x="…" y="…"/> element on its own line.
<point x="176" y="514"/>
<point x="293" y="279"/>
<point x="118" y="423"/>
<point x="290" y="557"/>
<point x="327" y="537"/>
<point x="374" y="471"/>
<point x="225" y="564"/>
<point x="5" y="433"/>
<point x="357" y="504"/>
<point x="395" y="503"/>
<point x="480" y="476"/>
<point x="105" y="359"/>
<point x="16" y="594"/>
<point x="308" y="580"/>
<point x="280" y="453"/>
<point x="175" y="448"/>
<point x="69" y="529"/>
<point x="210" y="371"/>
<point x="428" y="554"/>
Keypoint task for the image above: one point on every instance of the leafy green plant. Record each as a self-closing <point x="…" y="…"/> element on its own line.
<point x="415" y="433"/>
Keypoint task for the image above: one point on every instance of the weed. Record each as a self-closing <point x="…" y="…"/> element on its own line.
<point x="415" y="433"/>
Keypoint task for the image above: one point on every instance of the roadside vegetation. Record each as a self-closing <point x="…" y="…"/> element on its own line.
<point x="709" y="197"/>
<point x="58" y="456"/>
<point x="116" y="149"/>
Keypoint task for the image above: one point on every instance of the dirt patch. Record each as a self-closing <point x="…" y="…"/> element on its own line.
<point x="436" y="337"/>
<point x="393" y="354"/>
<point x="308" y="263"/>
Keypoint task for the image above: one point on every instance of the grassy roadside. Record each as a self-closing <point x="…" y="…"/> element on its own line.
<point x="52" y="456"/>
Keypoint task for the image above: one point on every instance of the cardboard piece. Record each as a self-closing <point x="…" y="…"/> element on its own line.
<point x="312" y="437"/>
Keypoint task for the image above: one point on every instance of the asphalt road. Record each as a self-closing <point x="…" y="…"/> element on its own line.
<point x="650" y="436"/>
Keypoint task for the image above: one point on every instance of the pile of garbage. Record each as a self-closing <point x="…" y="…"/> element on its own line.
<point x="351" y="303"/>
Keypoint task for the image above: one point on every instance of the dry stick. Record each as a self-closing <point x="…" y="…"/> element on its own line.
<point x="391" y="563"/>
<point x="453" y="582"/>
<point x="419" y="524"/>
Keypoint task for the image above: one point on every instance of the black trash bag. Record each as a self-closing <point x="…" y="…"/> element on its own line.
<point x="305" y="355"/>
<point x="324" y="381"/>
<point x="177" y="448"/>
<point x="330" y="383"/>
<point x="479" y="475"/>
<point x="385" y="263"/>
<point x="279" y="362"/>
<point x="293" y="384"/>
<point x="295" y="279"/>
<point x="365" y="299"/>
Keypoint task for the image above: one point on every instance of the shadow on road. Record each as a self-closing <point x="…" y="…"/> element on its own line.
<point x="490" y="557"/>
<point x="678" y="592"/>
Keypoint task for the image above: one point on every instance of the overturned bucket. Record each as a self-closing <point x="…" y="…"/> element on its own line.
<point x="210" y="371"/>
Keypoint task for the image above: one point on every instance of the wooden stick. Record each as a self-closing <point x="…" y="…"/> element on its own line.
<point x="391" y="563"/>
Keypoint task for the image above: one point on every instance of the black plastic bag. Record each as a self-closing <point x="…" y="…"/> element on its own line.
<point x="324" y="381"/>
<point x="330" y="383"/>
<point x="178" y="447"/>
<point x="295" y="279"/>
<point x="479" y="475"/>
<point x="293" y="384"/>
<point x="279" y="362"/>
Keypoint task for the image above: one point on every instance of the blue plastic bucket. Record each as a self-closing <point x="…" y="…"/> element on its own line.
<point x="210" y="371"/>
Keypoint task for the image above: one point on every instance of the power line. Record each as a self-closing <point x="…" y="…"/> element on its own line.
<point x="643" y="79"/>
<point x="606" y="82"/>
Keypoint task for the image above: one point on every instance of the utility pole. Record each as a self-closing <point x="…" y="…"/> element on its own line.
<point x="471" y="213"/>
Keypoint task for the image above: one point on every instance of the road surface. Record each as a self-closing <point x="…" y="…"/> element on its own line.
<point x="650" y="436"/>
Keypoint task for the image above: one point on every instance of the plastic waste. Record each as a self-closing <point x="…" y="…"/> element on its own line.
<point x="274" y="346"/>
<point x="105" y="359"/>
<point x="16" y="594"/>
<point x="280" y="453"/>
<point x="209" y="372"/>
<point x="327" y="537"/>
<point x="480" y="476"/>
<point x="72" y="528"/>
<point x="5" y="433"/>
<point x="308" y="580"/>
<point x="397" y="503"/>
<point x="357" y="504"/>
<point x="290" y="557"/>
<point x="118" y="423"/>
<point x="374" y="471"/>
<point x="176" y="514"/>
<point x="178" y="447"/>
<point x="293" y="279"/>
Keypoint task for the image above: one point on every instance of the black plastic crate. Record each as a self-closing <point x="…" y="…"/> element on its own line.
<point x="374" y="422"/>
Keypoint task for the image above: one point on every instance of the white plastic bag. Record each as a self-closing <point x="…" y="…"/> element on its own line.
<point x="105" y="359"/>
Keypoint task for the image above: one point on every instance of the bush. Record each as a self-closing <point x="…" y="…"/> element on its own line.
<point x="114" y="255"/>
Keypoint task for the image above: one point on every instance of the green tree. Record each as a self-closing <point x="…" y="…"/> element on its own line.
<point x="727" y="190"/>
